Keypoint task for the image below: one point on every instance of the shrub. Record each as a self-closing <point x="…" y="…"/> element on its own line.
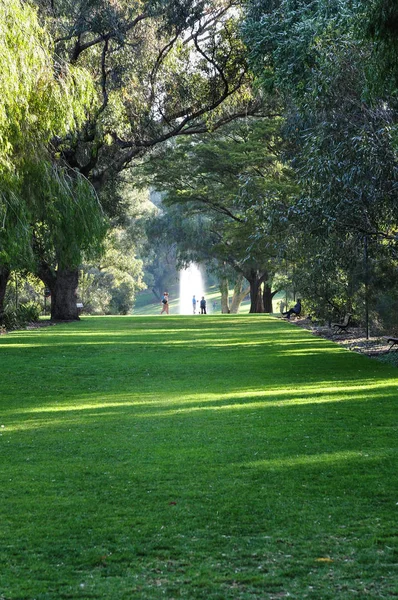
<point x="15" y="318"/>
<point x="387" y="309"/>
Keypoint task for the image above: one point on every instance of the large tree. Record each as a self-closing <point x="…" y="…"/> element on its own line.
<point x="68" y="227"/>
<point x="162" y="69"/>
<point x="32" y="111"/>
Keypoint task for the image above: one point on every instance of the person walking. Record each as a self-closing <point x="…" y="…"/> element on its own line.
<point x="194" y="304"/>
<point x="203" y="306"/>
<point x="165" y="303"/>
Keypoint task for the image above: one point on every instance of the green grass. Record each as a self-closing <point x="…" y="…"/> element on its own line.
<point x="146" y="304"/>
<point x="228" y="457"/>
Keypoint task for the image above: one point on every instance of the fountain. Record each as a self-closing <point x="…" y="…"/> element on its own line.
<point x="191" y="282"/>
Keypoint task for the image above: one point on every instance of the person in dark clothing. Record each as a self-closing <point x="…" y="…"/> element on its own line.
<point x="296" y="310"/>
<point x="203" y="306"/>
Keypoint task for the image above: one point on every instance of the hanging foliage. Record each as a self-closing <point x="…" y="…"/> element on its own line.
<point x="68" y="223"/>
<point x="40" y="98"/>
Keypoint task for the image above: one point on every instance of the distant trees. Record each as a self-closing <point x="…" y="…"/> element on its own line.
<point x="236" y="191"/>
<point x="178" y="237"/>
<point x="160" y="70"/>
<point x="126" y="77"/>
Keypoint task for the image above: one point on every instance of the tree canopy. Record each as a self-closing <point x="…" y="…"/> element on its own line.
<point x="159" y="70"/>
<point x="326" y="60"/>
<point x="236" y="189"/>
<point x="39" y="100"/>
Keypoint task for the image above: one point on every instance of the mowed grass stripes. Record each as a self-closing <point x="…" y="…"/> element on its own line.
<point x="234" y="457"/>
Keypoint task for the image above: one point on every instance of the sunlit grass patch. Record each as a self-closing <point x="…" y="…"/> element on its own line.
<point x="146" y="458"/>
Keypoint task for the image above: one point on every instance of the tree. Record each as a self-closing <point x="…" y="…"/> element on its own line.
<point x="340" y="119"/>
<point x="32" y="111"/>
<point x="381" y="26"/>
<point x="159" y="251"/>
<point x="69" y="225"/>
<point x="162" y="69"/>
<point x="235" y="181"/>
<point x="111" y="283"/>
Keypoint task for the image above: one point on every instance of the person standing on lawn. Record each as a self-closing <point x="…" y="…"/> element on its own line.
<point x="203" y="306"/>
<point x="165" y="303"/>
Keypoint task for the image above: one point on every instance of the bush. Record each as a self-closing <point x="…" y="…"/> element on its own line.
<point x="387" y="309"/>
<point x="122" y="298"/>
<point x="390" y="359"/>
<point x="15" y="318"/>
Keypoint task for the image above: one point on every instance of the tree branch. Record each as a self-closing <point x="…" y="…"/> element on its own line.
<point x="104" y="75"/>
<point x="78" y="48"/>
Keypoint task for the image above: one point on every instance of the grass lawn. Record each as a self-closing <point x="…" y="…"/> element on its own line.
<point x="146" y="304"/>
<point x="217" y="457"/>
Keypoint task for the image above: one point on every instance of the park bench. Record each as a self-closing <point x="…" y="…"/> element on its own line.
<point x="341" y="327"/>
<point x="293" y="315"/>
<point x="394" y="342"/>
<point x="296" y="315"/>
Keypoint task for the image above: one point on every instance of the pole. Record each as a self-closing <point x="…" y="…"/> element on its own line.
<point x="16" y="290"/>
<point x="366" y="253"/>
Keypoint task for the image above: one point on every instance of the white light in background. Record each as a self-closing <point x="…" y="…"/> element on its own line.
<point x="191" y="282"/>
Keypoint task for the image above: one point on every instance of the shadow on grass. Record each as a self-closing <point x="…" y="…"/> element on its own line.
<point x="196" y="467"/>
<point x="135" y="359"/>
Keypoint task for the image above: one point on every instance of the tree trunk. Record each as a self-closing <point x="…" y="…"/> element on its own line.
<point x="224" y="289"/>
<point x="64" y="296"/>
<point x="62" y="284"/>
<point x="4" y="277"/>
<point x="256" y="297"/>
<point x="240" y="291"/>
<point x="268" y="295"/>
